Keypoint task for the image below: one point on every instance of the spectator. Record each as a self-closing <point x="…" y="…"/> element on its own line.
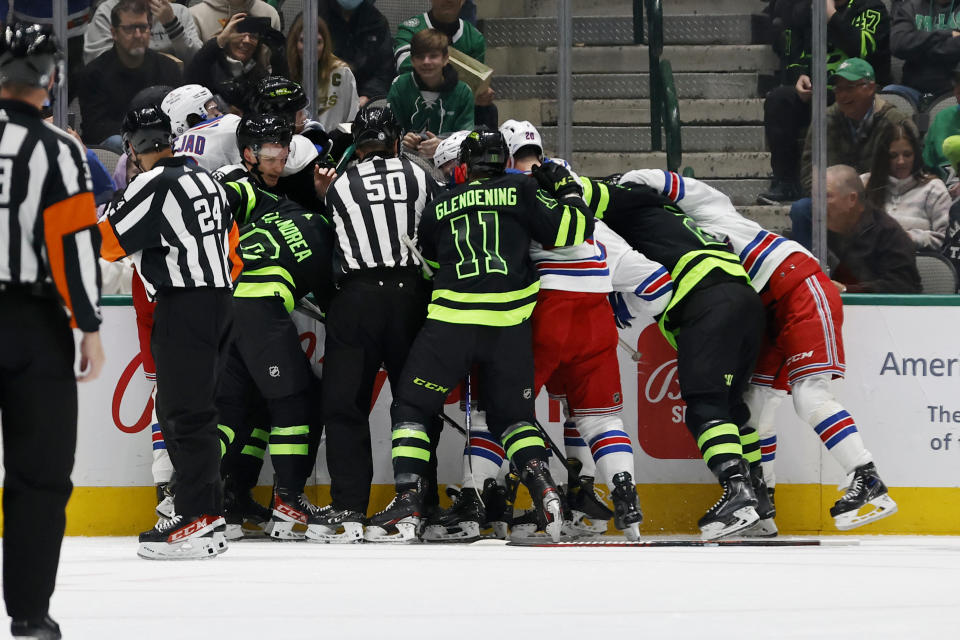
<point x="946" y="124"/>
<point x="430" y="101"/>
<point x="926" y="35"/>
<point x="856" y="126"/>
<point x="855" y="29"/>
<point x="362" y="39"/>
<point x="464" y="37"/>
<point x="898" y="185"/>
<point x="174" y="32"/>
<point x="873" y="254"/>
<point x="336" y="100"/>
<point x="115" y="76"/>
<point x="212" y="16"/>
<point x="236" y="52"/>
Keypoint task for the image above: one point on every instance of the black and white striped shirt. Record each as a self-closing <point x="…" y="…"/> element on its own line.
<point x="175" y="223"/>
<point x="373" y="205"/>
<point x="48" y="234"/>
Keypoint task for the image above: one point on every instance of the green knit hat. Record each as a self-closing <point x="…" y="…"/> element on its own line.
<point x="951" y="150"/>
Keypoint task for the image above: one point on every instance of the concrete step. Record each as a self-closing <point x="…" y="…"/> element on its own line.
<point x="773" y="218"/>
<point x="695" y="138"/>
<point x="741" y="191"/>
<point x="634" y="59"/>
<point x="610" y="30"/>
<point x="753" y="166"/>
<point x="635" y="85"/>
<point x="637" y="112"/>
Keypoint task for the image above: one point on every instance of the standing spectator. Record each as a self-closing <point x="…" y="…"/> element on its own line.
<point x="48" y="283"/>
<point x="899" y="185"/>
<point x="926" y="35"/>
<point x="336" y="100"/>
<point x="873" y="253"/>
<point x="114" y="77"/>
<point x="212" y="16"/>
<point x="855" y="29"/>
<point x="362" y="39"/>
<point x="429" y="100"/>
<point x="236" y="52"/>
<point x="946" y="124"/>
<point x="856" y="125"/>
<point x="174" y="32"/>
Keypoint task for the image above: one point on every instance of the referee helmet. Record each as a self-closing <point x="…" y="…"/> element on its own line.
<point x="30" y="55"/>
<point x="146" y="129"/>
<point x="376" y="124"/>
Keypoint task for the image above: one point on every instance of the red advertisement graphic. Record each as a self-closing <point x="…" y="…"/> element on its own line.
<point x="661" y="430"/>
<point x="118" y="393"/>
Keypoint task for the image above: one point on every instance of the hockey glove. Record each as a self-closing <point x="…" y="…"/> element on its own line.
<point x="621" y="314"/>
<point x="555" y="179"/>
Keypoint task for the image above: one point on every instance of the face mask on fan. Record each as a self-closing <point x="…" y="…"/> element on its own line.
<point x="349" y="5"/>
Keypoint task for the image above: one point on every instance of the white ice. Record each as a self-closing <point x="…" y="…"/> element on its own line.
<point x="886" y="587"/>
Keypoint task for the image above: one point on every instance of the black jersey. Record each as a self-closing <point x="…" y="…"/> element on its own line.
<point x="656" y="227"/>
<point x="477" y="238"/>
<point x="248" y="201"/>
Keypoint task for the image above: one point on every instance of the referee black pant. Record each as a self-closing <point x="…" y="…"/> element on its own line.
<point x="38" y="410"/>
<point x="190" y="331"/>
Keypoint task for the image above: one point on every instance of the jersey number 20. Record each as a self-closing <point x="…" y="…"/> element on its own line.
<point x="489" y="227"/>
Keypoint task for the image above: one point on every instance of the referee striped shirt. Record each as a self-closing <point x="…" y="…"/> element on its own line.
<point x="176" y="225"/>
<point x="373" y="205"/>
<point x="48" y="234"/>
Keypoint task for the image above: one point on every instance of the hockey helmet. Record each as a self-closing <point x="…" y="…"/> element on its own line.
<point x="146" y="129"/>
<point x="375" y="124"/>
<point x="484" y="151"/>
<point x="519" y="134"/>
<point x="277" y="95"/>
<point x="257" y="130"/>
<point x="186" y="106"/>
<point x="30" y="55"/>
<point x="449" y="149"/>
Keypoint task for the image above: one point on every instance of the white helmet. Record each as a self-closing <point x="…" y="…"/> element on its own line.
<point x="519" y="134"/>
<point x="190" y="99"/>
<point x="449" y="149"/>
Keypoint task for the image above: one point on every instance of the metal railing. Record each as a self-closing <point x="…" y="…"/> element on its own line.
<point x="664" y="106"/>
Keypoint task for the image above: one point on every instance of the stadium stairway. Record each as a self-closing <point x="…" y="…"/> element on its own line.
<point x="721" y="69"/>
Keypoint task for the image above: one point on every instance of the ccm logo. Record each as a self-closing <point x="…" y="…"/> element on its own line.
<point x="797" y="357"/>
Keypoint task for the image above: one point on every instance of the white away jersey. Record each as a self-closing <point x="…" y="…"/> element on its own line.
<point x="760" y="251"/>
<point x="646" y="283"/>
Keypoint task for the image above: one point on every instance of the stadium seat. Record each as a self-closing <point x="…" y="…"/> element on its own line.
<point x="937" y="273"/>
<point x="107" y="157"/>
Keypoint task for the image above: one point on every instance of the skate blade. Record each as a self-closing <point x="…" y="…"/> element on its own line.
<point x="285" y="530"/>
<point x="555" y="526"/>
<point x="499" y="530"/>
<point x="219" y="542"/>
<point x="742" y="518"/>
<point x="585" y="524"/>
<point x="463" y="532"/>
<point x="201" y="548"/>
<point x="406" y="533"/>
<point x="883" y="506"/>
<point x="346" y="533"/>
<point x="762" y="528"/>
<point x="632" y="532"/>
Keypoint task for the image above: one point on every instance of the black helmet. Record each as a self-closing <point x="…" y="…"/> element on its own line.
<point x="375" y="124"/>
<point x="279" y="96"/>
<point x="146" y="129"/>
<point x="149" y="96"/>
<point x="30" y="55"/>
<point x="260" y="129"/>
<point x="485" y="151"/>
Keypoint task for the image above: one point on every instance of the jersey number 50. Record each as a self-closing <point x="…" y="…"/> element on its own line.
<point x="489" y="232"/>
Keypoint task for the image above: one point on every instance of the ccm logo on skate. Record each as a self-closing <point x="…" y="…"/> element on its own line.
<point x="191" y="529"/>
<point x="797" y="357"/>
<point x="291" y="513"/>
<point x="430" y="385"/>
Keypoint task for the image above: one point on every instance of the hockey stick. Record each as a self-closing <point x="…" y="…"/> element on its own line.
<point x="345" y="158"/>
<point x="737" y="542"/>
<point x="562" y="455"/>
<point x="634" y="354"/>
<point x="452" y="423"/>
<point x="467" y="422"/>
<point x="416" y="254"/>
<point x="310" y="310"/>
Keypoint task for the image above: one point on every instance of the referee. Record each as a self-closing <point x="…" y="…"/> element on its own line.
<point x="173" y="220"/>
<point x="48" y="261"/>
<point x="381" y="302"/>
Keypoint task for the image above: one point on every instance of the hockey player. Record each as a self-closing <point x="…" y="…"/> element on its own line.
<point x="187" y="106"/>
<point x="715" y="322"/>
<point x="476" y="237"/>
<point x="802" y="350"/>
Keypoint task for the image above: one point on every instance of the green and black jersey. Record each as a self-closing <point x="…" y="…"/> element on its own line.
<point x="653" y="225"/>
<point x="247" y="201"/>
<point x="477" y="238"/>
<point x="288" y="253"/>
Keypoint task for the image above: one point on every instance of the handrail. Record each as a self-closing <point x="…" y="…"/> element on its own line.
<point x="664" y="106"/>
<point x="671" y="115"/>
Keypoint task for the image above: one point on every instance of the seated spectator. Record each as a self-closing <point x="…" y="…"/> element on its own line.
<point x="336" y="100"/>
<point x="464" y="37"/>
<point x="174" y="31"/>
<point x="951" y="244"/>
<point x="115" y="76"/>
<point x="855" y="29"/>
<point x="926" y="35"/>
<point x="362" y="39"/>
<point x="856" y="125"/>
<point x="946" y="124"/>
<point x="211" y="16"/>
<point x="871" y="253"/>
<point x="237" y="51"/>
<point x="430" y="101"/>
<point x="899" y="186"/>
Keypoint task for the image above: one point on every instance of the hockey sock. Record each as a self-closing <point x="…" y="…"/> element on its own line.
<point x="288" y="452"/>
<point x="817" y="406"/>
<point x="522" y="442"/>
<point x="719" y="442"/>
<point x="576" y="447"/>
<point x="609" y="445"/>
<point x="411" y="449"/>
<point x="227" y="436"/>
<point x="162" y="466"/>
<point x="256" y="445"/>
<point x="484" y="452"/>
<point x="750" y="444"/>
<point x="763" y="402"/>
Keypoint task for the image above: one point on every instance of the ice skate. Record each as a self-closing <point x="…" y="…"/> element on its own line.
<point x="546" y="500"/>
<point x="626" y="506"/>
<point x="335" y="526"/>
<point x="734" y="511"/>
<point x="765" y="527"/>
<point x="164" y="500"/>
<point x="245" y="517"/>
<point x="588" y="513"/>
<point x="498" y="509"/>
<point x="400" y="521"/>
<point x="461" y="522"/>
<point x="865" y="501"/>
<point x="184" y="538"/>
<point x="291" y="509"/>
<point x="41" y="629"/>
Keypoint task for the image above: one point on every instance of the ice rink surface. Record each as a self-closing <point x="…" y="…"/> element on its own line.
<point x="885" y="587"/>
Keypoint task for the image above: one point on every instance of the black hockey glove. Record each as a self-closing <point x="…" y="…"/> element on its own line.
<point x="556" y="179"/>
